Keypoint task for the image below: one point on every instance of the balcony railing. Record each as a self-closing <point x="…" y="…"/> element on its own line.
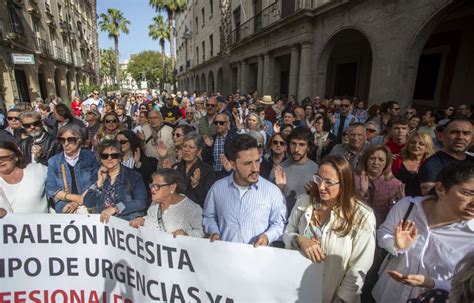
<point x="266" y="17"/>
<point x="58" y="53"/>
<point x="42" y="46"/>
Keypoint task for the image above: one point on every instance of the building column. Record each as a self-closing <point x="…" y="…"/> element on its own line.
<point x="304" y="80"/>
<point x="244" y="74"/>
<point x="267" y="74"/>
<point x="260" y="76"/>
<point x="294" y="69"/>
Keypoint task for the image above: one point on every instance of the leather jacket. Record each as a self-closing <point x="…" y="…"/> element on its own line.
<point x="49" y="147"/>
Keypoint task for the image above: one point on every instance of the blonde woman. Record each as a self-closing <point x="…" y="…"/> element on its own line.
<point x="330" y="225"/>
<point x="405" y="166"/>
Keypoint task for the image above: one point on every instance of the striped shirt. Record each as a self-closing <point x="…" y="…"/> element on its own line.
<point x="262" y="209"/>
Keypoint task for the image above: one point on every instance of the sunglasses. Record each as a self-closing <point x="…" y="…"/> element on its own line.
<point x="69" y="140"/>
<point x="110" y="121"/>
<point x="252" y="109"/>
<point x="369" y="130"/>
<point x="190" y="113"/>
<point x="142" y="108"/>
<point x="345" y="105"/>
<point x="410" y="112"/>
<point x="158" y="186"/>
<point x="177" y="135"/>
<point x="219" y="122"/>
<point x="123" y="141"/>
<point x="211" y="105"/>
<point x="35" y="124"/>
<point x="114" y="156"/>
<point x="276" y="142"/>
<point x="7" y="158"/>
<point x="13" y="118"/>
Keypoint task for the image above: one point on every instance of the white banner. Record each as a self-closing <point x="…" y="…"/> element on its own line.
<point x="75" y="258"/>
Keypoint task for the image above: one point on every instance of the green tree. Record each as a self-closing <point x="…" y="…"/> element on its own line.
<point x="147" y="64"/>
<point x="159" y="31"/>
<point x="108" y="65"/>
<point x="113" y="23"/>
<point x="171" y="8"/>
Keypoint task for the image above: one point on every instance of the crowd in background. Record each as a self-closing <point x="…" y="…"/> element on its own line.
<point x="383" y="195"/>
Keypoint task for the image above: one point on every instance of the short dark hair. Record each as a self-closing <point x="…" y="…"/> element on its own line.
<point x="301" y="133"/>
<point x="326" y="122"/>
<point x="132" y="138"/>
<point x="104" y="144"/>
<point x="458" y="119"/>
<point x="391" y="103"/>
<point x="400" y="120"/>
<point x="172" y="176"/>
<point x="456" y="173"/>
<point x="62" y="110"/>
<point x="239" y="143"/>
<point x="11" y="146"/>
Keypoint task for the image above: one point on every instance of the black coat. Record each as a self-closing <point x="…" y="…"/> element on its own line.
<point x="207" y="179"/>
<point x="49" y="147"/>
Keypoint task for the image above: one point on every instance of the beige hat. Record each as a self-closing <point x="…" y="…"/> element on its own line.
<point x="267" y="100"/>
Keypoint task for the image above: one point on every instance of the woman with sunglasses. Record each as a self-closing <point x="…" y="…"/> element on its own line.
<point x="119" y="190"/>
<point x="190" y="118"/>
<point x="254" y="123"/>
<point x="110" y="127"/>
<point x="330" y="225"/>
<point x="21" y="184"/>
<point x="171" y="211"/>
<point x="277" y="147"/>
<point x="71" y="172"/>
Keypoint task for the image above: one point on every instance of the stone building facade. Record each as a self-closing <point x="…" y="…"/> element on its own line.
<point x="61" y="35"/>
<point x="416" y="52"/>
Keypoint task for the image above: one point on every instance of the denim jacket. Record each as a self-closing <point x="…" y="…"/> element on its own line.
<point x="130" y="191"/>
<point x="85" y="171"/>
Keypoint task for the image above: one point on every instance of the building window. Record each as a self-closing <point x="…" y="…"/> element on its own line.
<point x="197" y="54"/>
<point x="211" y="8"/>
<point x="203" y="51"/>
<point x="203" y="15"/>
<point x="211" y="45"/>
<point x="197" y="24"/>
<point x="237" y="23"/>
<point x="15" y="20"/>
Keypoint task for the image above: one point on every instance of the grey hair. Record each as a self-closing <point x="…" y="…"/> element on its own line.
<point x="75" y="129"/>
<point x="257" y="136"/>
<point x="375" y="124"/>
<point x="108" y="144"/>
<point x="30" y="114"/>
<point x="462" y="282"/>
<point x="196" y="138"/>
<point x="259" y="121"/>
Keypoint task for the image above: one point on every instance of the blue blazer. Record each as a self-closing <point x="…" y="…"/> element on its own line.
<point x="130" y="190"/>
<point x="85" y="171"/>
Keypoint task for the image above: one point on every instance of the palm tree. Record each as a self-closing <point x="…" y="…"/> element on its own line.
<point x="113" y="23"/>
<point x="171" y="7"/>
<point x="107" y="65"/>
<point x="159" y="31"/>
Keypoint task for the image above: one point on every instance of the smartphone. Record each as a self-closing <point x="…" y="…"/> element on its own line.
<point x="407" y="214"/>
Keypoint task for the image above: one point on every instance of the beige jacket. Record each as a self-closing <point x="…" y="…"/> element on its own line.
<point x="166" y="135"/>
<point x="348" y="258"/>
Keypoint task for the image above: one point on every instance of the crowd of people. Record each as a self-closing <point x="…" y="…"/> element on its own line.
<point x="383" y="196"/>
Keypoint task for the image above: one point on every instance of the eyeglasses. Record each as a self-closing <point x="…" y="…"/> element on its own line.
<point x="123" y="141"/>
<point x="158" y="186"/>
<point x="410" y="112"/>
<point x="177" y="135"/>
<point x="13" y="118"/>
<point x="114" y="156"/>
<point x="252" y="109"/>
<point x="110" y="121"/>
<point x="211" y="105"/>
<point x="370" y="130"/>
<point x="326" y="182"/>
<point x="345" y="105"/>
<point x="35" y="124"/>
<point x="219" y="122"/>
<point x="7" y="158"/>
<point x="189" y="113"/>
<point x="69" y="140"/>
<point x="276" y="142"/>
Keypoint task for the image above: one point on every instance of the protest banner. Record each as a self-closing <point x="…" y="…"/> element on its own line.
<point x="75" y="258"/>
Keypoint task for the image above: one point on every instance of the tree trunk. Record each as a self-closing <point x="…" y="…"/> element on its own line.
<point x="117" y="60"/>
<point x="163" y="63"/>
<point x="170" y="27"/>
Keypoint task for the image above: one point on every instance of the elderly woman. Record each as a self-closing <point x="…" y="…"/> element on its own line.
<point x="119" y="190"/>
<point x="190" y="118"/>
<point x="438" y="234"/>
<point x="71" y="172"/>
<point x="324" y="140"/>
<point x="330" y="225"/>
<point x="198" y="175"/>
<point x="171" y="211"/>
<point x="21" y="184"/>
<point x="133" y="157"/>
<point x="254" y="123"/>
<point x="123" y="118"/>
<point x="374" y="182"/>
<point x="110" y="127"/>
<point x="405" y="166"/>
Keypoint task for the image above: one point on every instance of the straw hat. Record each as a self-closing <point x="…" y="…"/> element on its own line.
<point x="267" y="100"/>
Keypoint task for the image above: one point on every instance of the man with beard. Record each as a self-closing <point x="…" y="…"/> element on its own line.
<point x="39" y="146"/>
<point x="294" y="175"/>
<point x="244" y="207"/>
<point x="457" y="138"/>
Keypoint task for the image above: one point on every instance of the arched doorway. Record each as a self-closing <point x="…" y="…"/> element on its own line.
<point x="346" y="61"/>
<point x="203" y="83"/>
<point x="220" y="80"/>
<point x="442" y="53"/>
<point x="197" y="84"/>
<point x="69" y="84"/>
<point x="210" y="83"/>
<point x="42" y="80"/>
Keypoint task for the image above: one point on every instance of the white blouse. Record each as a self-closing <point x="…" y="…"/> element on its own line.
<point x="434" y="253"/>
<point x="348" y="258"/>
<point x="28" y="195"/>
<point x="185" y="215"/>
